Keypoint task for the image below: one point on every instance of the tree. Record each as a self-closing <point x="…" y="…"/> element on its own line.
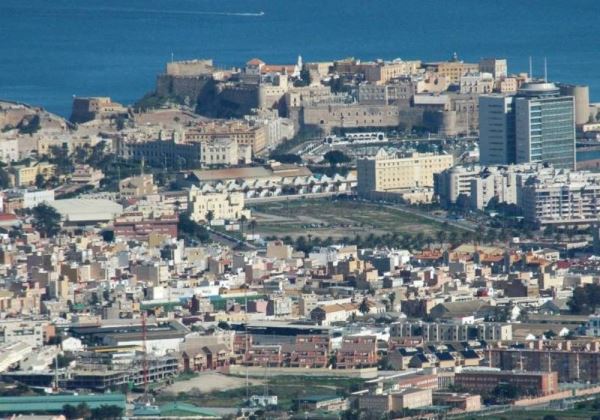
<point x="506" y="391"/>
<point x="82" y="411"/>
<point x="188" y="229"/>
<point x="107" y="412"/>
<point x="40" y="181"/>
<point x="223" y="325"/>
<point x="46" y="220"/>
<point x="392" y="298"/>
<point x="441" y="236"/>
<point x="335" y="157"/>
<point x="243" y="220"/>
<point x="29" y="125"/>
<point x="364" y="306"/>
<point x="4" y="179"/>
<point x="585" y="299"/>
<point x="210" y="215"/>
<point x="287" y="158"/>
<point x="252" y="226"/>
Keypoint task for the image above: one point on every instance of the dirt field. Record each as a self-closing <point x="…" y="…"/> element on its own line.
<point x="337" y="219"/>
<point x="210" y="382"/>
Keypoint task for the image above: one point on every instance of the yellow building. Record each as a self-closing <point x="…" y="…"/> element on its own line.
<point x="224" y="206"/>
<point x="24" y="175"/>
<point x="386" y="172"/>
<point x="138" y="186"/>
<point x="453" y="70"/>
<point x="383" y="72"/>
<point x="243" y="133"/>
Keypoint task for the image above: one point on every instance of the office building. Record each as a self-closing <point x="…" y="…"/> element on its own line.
<point x="535" y="125"/>
<point x="497" y="130"/>
<point x="545" y="125"/>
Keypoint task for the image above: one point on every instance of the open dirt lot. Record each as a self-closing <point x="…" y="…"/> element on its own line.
<point x="210" y="382"/>
<point x="326" y="217"/>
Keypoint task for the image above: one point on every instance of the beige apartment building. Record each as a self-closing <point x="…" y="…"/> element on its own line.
<point x="452" y="70"/>
<point x="224" y="206"/>
<point x="386" y="172"/>
<point x="383" y="72"/>
<point x="242" y="132"/>
<point x="24" y="175"/>
<point x="138" y="186"/>
<point x="224" y="151"/>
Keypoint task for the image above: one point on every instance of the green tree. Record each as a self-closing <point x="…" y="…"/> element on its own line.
<point x="223" y="325"/>
<point x="190" y="230"/>
<point x="106" y="412"/>
<point x="243" y="220"/>
<point x="40" y="181"/>
<point x="392" y="299"/>
<point x="286" y="158"/>
<point x="252" y="226"/>
<point x="46" y="220"/>
<point x="210" y="216"/>
<point x="364" y="306"/>
<point x="441" y="236"/>
<point x="4" y="179"/>
<point x="336" y="157"/>
<point x="30" y="125"/>
<point x="81" y="411"/>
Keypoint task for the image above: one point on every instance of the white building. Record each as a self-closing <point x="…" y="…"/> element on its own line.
<point x="34" y="198"/>
<point x="9" y="150"/>
<point x="561" y="197"/>
<point x="496" y="130"/>
<point x="476" y="82"/>
<point x="224" y="151"/>
<point x="222" y="206"/>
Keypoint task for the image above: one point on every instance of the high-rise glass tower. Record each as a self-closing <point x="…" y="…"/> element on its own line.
<point x="535" y="125"/>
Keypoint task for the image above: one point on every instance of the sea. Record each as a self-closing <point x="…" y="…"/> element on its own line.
<point x="51" y="50"/>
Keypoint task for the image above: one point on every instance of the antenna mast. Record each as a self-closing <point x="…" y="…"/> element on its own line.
<point x="545" y="69"/>
<point x="530" y="68"/>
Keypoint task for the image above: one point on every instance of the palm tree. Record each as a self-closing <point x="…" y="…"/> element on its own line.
<point x="453" y="237"/>
<point x="490" y="236"/>
<point x="364" y="306"/>
<point x="441" y="236"/>
<point x="418" y="239"/>
<point x="243" y="220"/>
<point x="428" y="241"/>
<point x="252" y="226"/>
<point x="392" y="298"/>
<point x="210" y="215"/>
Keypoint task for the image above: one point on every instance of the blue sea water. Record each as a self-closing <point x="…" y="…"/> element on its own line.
<point x="53" y="49"/>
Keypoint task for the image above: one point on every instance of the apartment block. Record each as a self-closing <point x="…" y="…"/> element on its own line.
<point x="487" y="380"/>
<point x="387" y="172"/>
<point x="223" y="206"/>
<point x="244" y="133"/>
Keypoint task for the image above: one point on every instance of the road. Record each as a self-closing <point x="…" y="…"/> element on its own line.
<point x="227" y="240"/>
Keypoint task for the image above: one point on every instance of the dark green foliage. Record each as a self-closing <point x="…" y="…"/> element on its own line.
<point x="336" y="157"/>
<point x="585" y="299"/>
<point x="286" y="158"/>
<point x="29" y="125"/>
<point x="46" y="220"/>
<point x="190" y="230"/>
